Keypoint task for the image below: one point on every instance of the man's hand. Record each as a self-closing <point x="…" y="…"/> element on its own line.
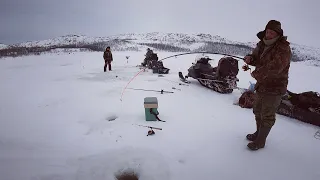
<point x="245" y="67"/>
<point x="248" y="59"/>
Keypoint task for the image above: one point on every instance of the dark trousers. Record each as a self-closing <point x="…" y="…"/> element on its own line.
<point x="106" y="63"/>
<point x="265" y="107"/>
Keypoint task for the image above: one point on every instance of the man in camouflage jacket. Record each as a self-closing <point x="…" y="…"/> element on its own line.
<point x="271" y="59"/>
<point x="107" y="56"/>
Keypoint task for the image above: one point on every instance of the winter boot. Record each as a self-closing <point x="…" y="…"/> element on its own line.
<point x="260" y="140"/>
<point x="252" y="137"/>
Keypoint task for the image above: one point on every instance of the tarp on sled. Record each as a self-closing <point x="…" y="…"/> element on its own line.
<point x="303" y="106"/>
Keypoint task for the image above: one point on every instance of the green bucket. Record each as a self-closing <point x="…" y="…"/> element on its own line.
<point x="151" y="106"/>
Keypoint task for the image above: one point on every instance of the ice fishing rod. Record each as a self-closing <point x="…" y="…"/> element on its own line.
<point x="150" y="132"/>
<point x="244" y="67"/>
<point x="162" y="91"/>
<point x="202" y="52"/>
<point x="151" y="127"/>
<point x="180" y="84"/>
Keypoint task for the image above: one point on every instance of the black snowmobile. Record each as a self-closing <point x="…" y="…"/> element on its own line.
<point x="153" y="63"/>
<point x="222" y="79"/>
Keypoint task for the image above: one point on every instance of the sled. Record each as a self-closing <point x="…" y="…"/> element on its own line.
<point x="303" y="106"/>
<point x="222" y="79"/>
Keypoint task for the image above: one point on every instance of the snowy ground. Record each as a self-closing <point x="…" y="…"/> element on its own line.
<point x="55" y="112"/>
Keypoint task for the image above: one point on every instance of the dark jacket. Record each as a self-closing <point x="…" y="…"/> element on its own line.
<point x="272" y="67"/>
<point x="107" y="56"/>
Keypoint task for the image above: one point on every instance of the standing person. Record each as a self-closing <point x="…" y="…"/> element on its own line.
<point x="271" y="57"/>
<point x="107" y="56"/>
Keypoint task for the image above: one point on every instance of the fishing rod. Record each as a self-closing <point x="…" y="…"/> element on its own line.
<point x="180" y="84"/>
<point x="244" y="67"/>
<point x="162" y="91"/>
<point x="202" y="52"/>
<point x="151" y="127"/>
<point x="150" y="132"/>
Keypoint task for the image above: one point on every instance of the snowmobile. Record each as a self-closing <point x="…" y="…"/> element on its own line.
<point x="153" y="63"/>
<point x="222" y="79"/>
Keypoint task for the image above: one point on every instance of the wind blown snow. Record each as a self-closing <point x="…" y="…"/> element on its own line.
<point x="61" y="118"/>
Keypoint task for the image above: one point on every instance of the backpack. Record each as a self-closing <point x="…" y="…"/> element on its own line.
<point x="305" y="100"/>
<point x="246" y="99"/>
<point x="227" y="66"/>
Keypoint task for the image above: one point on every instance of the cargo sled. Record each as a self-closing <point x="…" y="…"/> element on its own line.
<point x="303" y="106"/>
<point x="222" y="79"/>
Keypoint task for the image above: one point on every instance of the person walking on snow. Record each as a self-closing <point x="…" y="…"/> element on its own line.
<point x="107" y="56"/>
<point x="271" y="58"/>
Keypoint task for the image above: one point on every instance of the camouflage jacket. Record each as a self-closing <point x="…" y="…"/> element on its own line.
<point x="107" y="56"/>
<point x="272" y="66"/>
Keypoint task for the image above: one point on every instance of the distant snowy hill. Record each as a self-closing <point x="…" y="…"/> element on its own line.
<point x="62" y="41"/>
<point x="3" y="46"/>
<point x="136" y="38"/>
<point x="173" y="42"/>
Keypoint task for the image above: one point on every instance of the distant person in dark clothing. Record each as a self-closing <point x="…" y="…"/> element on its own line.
<point x="107" y="56"/>
<point x="148" y="56"/>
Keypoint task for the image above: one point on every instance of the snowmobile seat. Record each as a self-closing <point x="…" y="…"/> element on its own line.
<point x="201" y="68"/>
<point x="227" y="68"/>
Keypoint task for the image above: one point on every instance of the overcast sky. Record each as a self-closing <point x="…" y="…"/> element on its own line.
<point x="240" y="20"/>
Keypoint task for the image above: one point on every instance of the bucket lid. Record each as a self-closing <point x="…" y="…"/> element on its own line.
<point x="151" y="100"/>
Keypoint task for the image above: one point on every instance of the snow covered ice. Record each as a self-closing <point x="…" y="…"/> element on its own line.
<point x="61" y="118"/>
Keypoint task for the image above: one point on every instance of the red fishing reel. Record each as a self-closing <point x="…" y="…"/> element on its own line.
<point x="150" y="132"/>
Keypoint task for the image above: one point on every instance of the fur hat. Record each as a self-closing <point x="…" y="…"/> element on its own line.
<point x="273" y="25"/>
